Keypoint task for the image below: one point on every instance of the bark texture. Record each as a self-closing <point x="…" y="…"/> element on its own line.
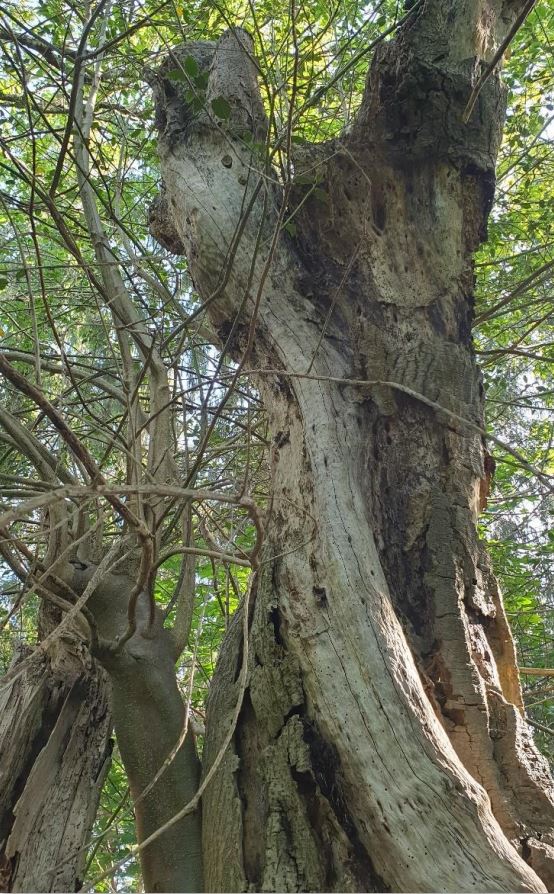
<point x="381" y="744"/>
<point x="149" y="718"/>
<point x="58" y="707"/>
<point x="55" y="724"/>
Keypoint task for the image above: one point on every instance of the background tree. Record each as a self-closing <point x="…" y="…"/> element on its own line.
<point x="136" y="463"/>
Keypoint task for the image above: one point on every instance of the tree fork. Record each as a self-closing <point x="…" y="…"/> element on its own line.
<point x="380" y="644"/>
<point x="149" y="719"/>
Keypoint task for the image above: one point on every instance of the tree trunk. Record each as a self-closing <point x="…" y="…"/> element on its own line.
<point x="381" y="743"/>
<point x="55" y="724"/>
<point x="149" y="719"/>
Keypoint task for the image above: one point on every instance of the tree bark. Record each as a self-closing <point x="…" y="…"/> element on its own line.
<point x="149" y="719"/>
<point x="381" y="743"/>
<point x="57" y="710"/>
<point x="55" y="747"/>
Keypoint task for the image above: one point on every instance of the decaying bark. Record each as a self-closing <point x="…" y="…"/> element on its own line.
<point x="381" y="744"/>
<point x="55" y="725"/>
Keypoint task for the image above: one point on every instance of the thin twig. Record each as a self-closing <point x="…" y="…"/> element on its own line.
<point x="537" y="671"/>
<point x="496" y="59"/>
<point x="546" y="480"/>
<point x="541" y="726"/>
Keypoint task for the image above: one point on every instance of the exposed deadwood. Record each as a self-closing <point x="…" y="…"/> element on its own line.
<point x="381" y="743"/>
<point x="55" y="724"/>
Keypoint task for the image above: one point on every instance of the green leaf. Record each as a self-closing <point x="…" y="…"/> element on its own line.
<point x="3" y="283"/>
<point x="290" y="227"/>
<point x="191" y="66"/>
<point x="221" y="107"/>
<point x="194" y="100"/>
<point x="202" y="80"/>
<point x="321" y="195"/>
<point x="305" y="180"/>
<point x="175" y="74"/>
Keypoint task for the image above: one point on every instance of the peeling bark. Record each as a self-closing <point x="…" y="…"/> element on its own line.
<point x="55" y="724"/>
<point x="381" y="743"/>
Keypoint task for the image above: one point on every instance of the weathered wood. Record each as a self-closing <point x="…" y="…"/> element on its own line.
<point x="381" y="729"/>
<point x="55" y="724"/>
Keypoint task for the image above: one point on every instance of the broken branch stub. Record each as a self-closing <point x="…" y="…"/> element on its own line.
<point x="212" y="146"/>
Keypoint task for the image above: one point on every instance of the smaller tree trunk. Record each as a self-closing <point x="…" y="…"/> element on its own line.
<point x="55" y="724"/>
<point x="149" y="718"/>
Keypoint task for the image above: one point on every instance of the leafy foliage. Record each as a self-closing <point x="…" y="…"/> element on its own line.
<point x="515" y="343"/>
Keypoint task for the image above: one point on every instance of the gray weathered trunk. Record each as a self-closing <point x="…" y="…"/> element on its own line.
<point x="381" y="743"/>
<point x="55" y="724"/>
